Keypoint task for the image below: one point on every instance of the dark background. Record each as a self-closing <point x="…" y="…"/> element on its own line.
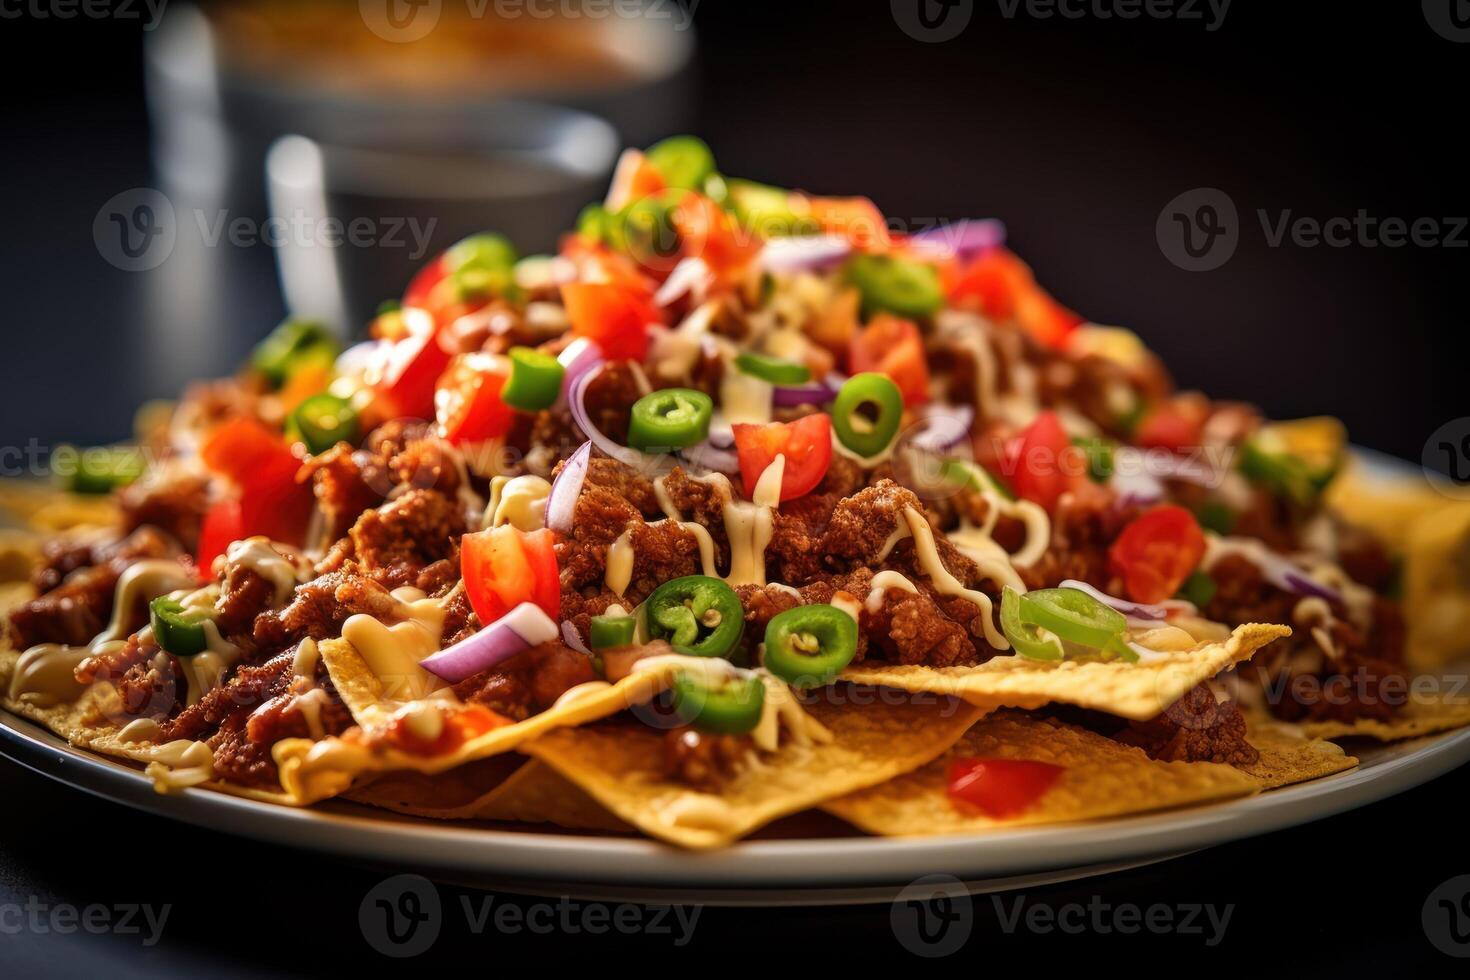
<point x="1076" y="133"/>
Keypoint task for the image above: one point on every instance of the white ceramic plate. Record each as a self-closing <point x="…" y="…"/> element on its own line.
<point x="824" y="870"/>
<point x="802" y="868"/>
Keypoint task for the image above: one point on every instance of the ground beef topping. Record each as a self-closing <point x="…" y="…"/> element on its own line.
<point x="1197" y="728"/>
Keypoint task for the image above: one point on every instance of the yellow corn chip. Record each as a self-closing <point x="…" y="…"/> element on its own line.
<point x="1137" y="691"/>
<point x="620" y="766"/>
<point x="1415" y="718"/>
<point x="1103" y="778"/>
<point x="537" y="793"/>
<point x="1290" y="757"/>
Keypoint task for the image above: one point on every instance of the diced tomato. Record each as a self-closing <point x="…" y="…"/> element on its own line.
<point x="1175" y="426"/>
<point x="1156" y="553"/>
<point x="412" y="368"/>
<point x="504" y="567"/>
<point x="467" y="403"/>
<point x="806" y="444"/>
<point x="633" y="180"/>
<point x="457" y="728"/>
<point x="1000" y="788"/>
<point x="855" y="218"/>
<point x="892" y="345"/>
<point x="1041" y="464"/>
<point x="260" y="463"/>
<point x="421" y="287"/>
<point x="540" y="547"/>
<point x="222" y="526"/>
<point x="1004" y="288"/>
<point x="613" y="314"/>
<point x="707" y="231"/>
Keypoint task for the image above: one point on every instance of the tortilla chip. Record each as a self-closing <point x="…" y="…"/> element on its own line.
<point x="42" y="507"/>
<point x="876" y="739"/>
<point x="1103" y="778"/>
<point x="316" y="770"/>
<point x="537" y="793"/>
<point x="1437" y="586"/>
<point x="1416" y="718"/>
<point x="1136" y="691"/>
<point x="451" y="795"/>
<point x="1289" y="757"/>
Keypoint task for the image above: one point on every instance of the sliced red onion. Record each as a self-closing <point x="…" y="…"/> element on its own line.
<point x="577" y="402"/>
<point x="566" y="488"/>
<point x="572" y="638"/>
<point x="523" y="627"/>
<point x="964" y="239"/>
<point x="789" y="396"/>
<point x="579" y="357"/>
<point x="1137" y="610"/>
<point x="944" y="426"/>
<point x="1130" y="462"/>
<point x="1304" y="585"/>
<point x="711" y="457"/>
<point x="687" y="277"/>
<point x="1131" y="481"/>
<point x="804" y="253"/>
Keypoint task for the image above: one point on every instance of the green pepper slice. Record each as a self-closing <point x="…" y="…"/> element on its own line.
<point x="535" y="380"/>
<point x="1099" y="456"/>
<point x="682" y="161"/>
<point x="612" y="631"/>
<point x="99" y="470"/>
<point x="698" y="615"/>
<point x="674" y="418"/>
<point x="1073" y="615"/>
<point x="767" y="210"/>
<point x="867" y="412"/>
<point x="1023" y="636"/>
<point x="645" y="229"/>
<point x="322" y="421"/>
<point x="1215" y="516"/>
<point x="277" y="356"/>
<point x="894" y="285"/>
<point x="809" y="645"/>
<point x="594" y="223"/>
<point x="1199" y="589"/>
<point x="178" y="631"/>
<point x="973" y="476"/>
<point x="733" y="707"/>
<point x="486" y="250"/>
<point x="773" y="369"/>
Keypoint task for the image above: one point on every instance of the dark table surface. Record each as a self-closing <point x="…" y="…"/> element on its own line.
<point x="1075" y="132"/>
<point x="1343" y="896"/>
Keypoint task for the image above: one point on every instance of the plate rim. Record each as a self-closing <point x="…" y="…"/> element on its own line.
<point x="482" y="852"/>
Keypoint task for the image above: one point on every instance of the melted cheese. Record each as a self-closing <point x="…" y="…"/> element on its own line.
<point x="998" y="571"/>
<point x="744" y="397"/>
<point x="519" y="502"/>
<point x="848" y="603"/>
<point x="620" y="557"/>
<point x="44" y="675"/>
<point x="393" y="652"/>
<point x="139" y="584"/>
<point x="749" y="525"/>
<point x="261" y="557"/>
<point x="882" y="582"/>
<point x="307" y="654"/>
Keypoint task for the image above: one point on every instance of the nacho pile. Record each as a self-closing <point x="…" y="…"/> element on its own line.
<point x="743" y="504"/>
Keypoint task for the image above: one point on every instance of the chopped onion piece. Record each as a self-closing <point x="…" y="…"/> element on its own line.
<point x="804" y="253"/>
<point x="577" y="401"/>
<point x="1137" y="610"/>
<point x="523" y="627"/>
<point x="963" y="239"/>
<point x="572" y="638"/>
<point x="944" y="426"/>
<point x="561" y="504"/>
<point x="689" y="276"/>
